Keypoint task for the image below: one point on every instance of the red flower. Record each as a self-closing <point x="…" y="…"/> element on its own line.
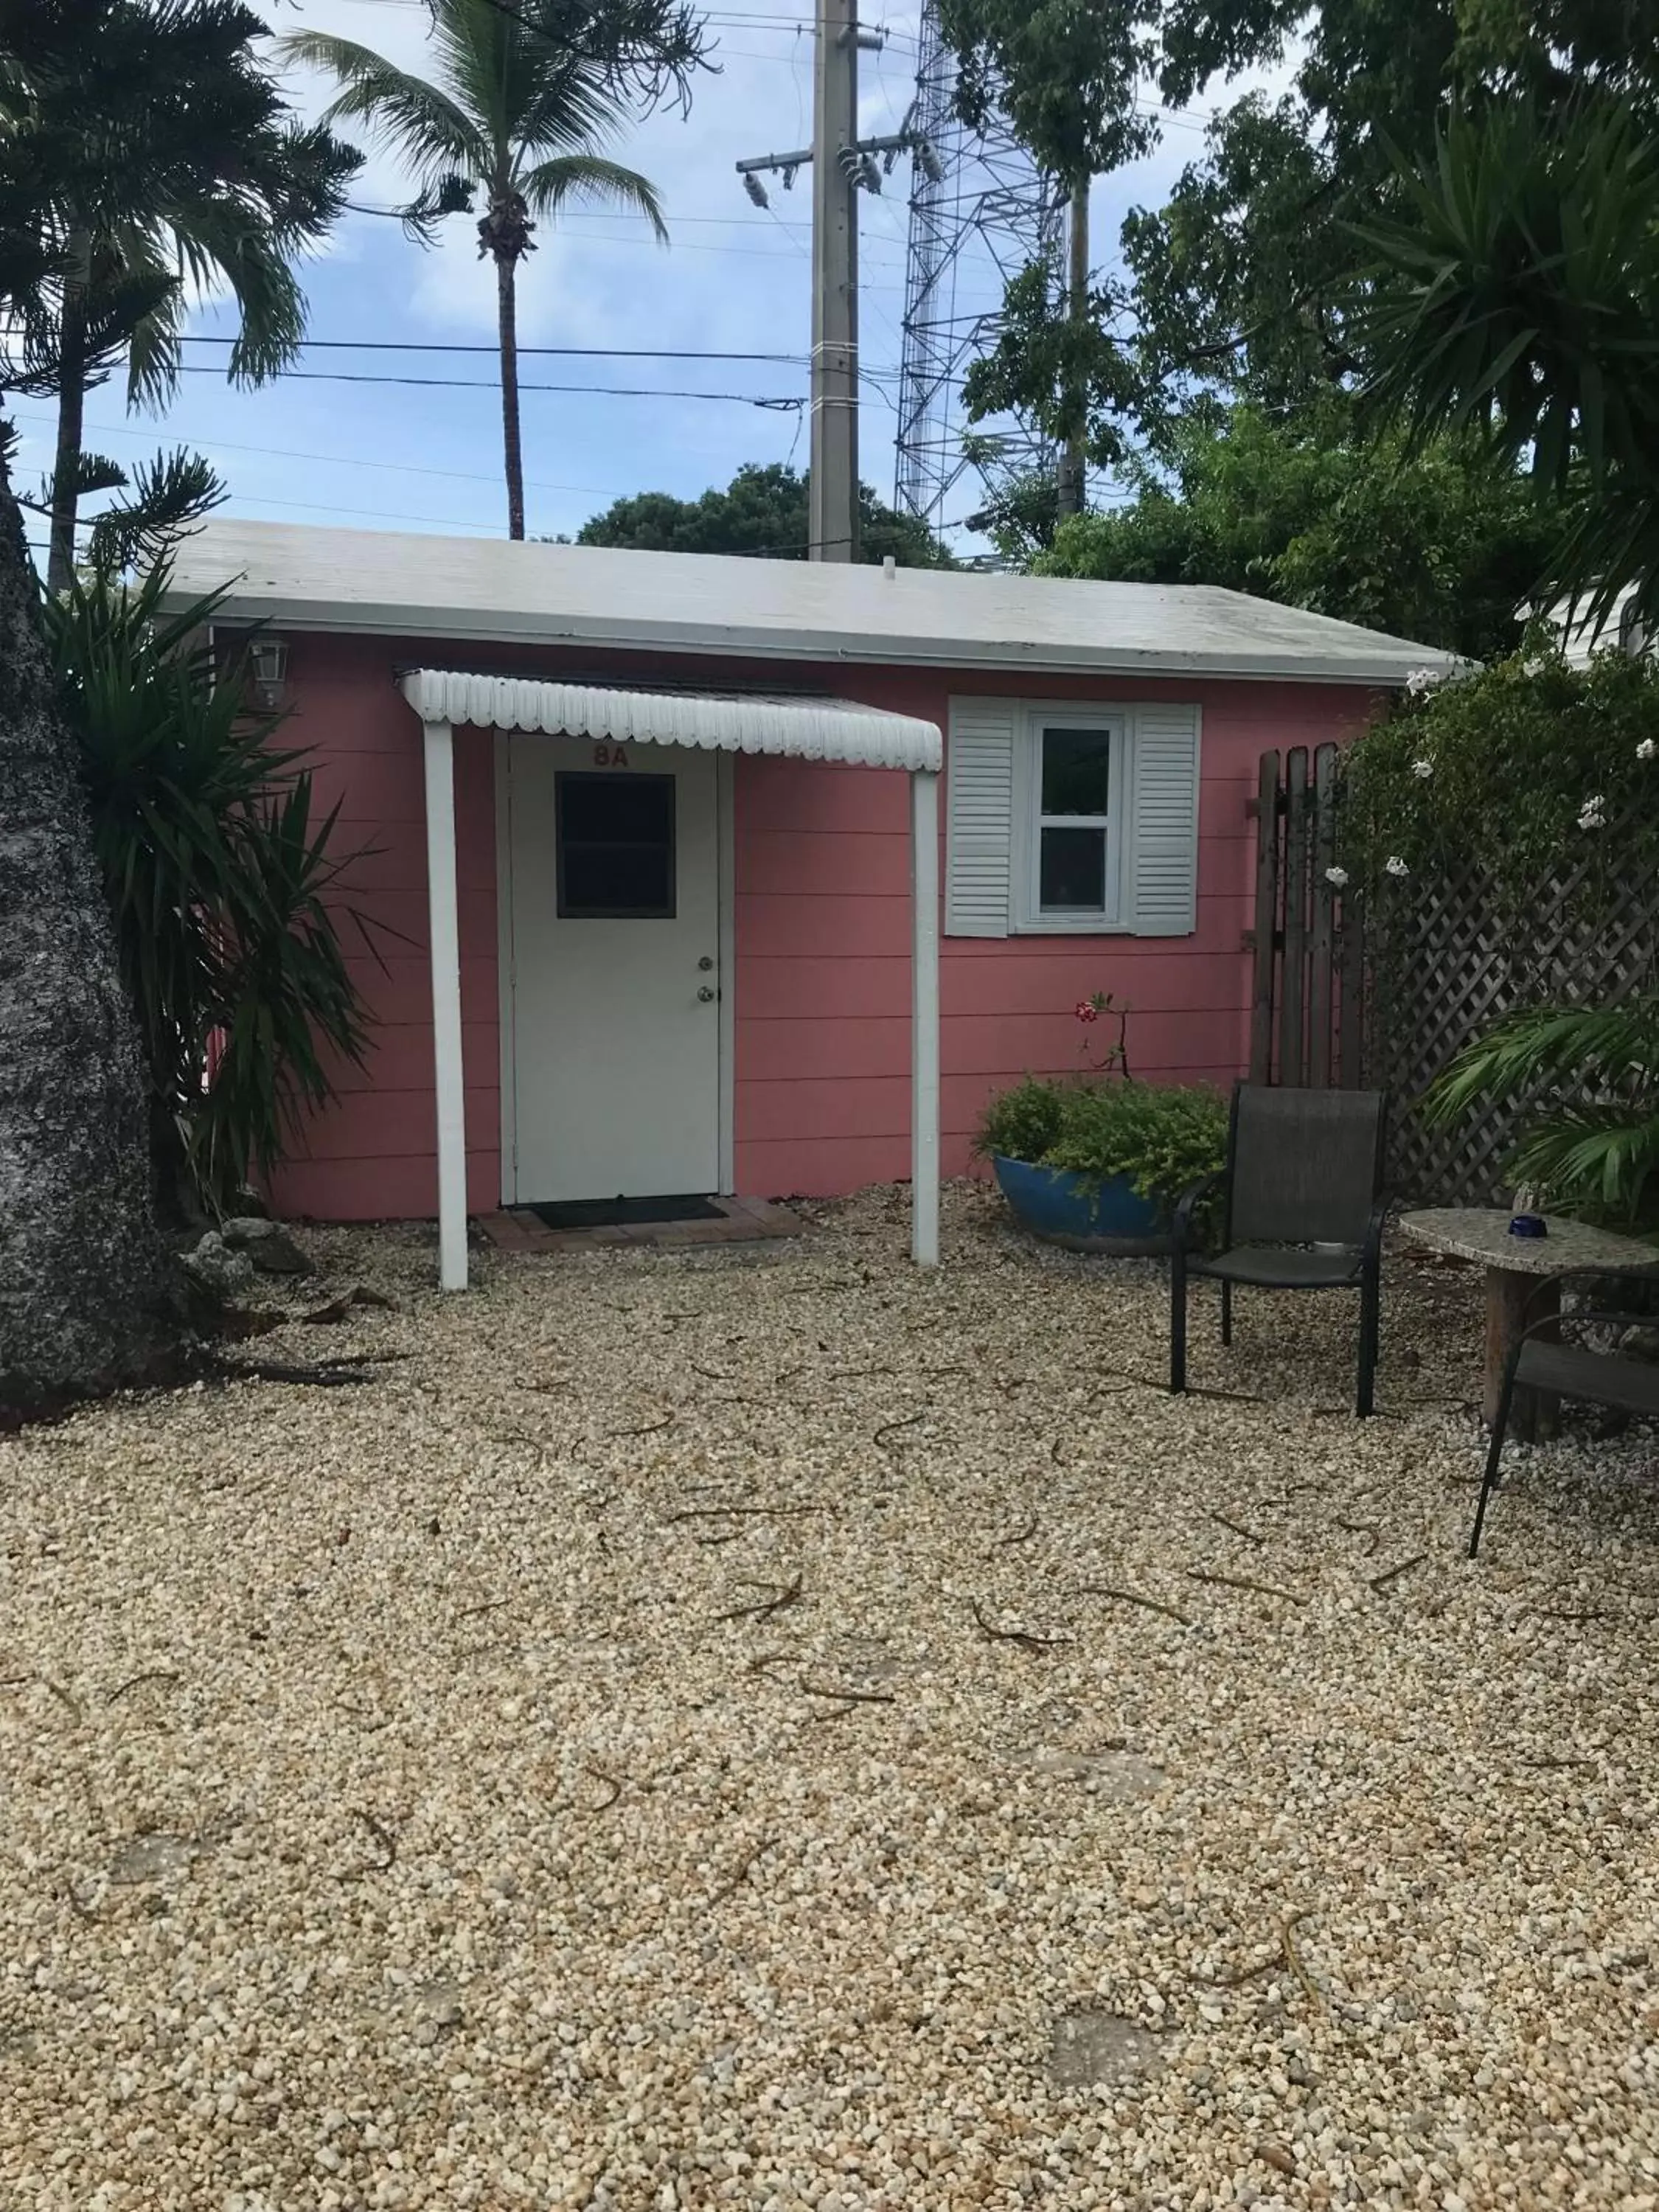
<point x="1086" y="1011"/>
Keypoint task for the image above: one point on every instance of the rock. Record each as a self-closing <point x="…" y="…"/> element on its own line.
<point x="1088" y="2047"/>
<point x="267" y="1244"/>
<point x="1641" y="1343"/>
<point x="152" y="1858"/>
<point x="218" y="1269"/>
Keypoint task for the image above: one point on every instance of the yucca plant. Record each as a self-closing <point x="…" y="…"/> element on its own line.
<point x="1596" y="1149"/>
<point x="1518" y="290"/>
<point x="223" y="880"/>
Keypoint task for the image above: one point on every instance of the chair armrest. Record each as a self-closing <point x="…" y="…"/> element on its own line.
<point x="1608" y="1314"/>
<point x="1188" y="1204"/>
<point x="1372" y="1247"/>
<point x="1553" y="1321"/>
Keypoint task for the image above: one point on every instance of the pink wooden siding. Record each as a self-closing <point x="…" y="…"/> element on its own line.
<point x="821" y="911"/>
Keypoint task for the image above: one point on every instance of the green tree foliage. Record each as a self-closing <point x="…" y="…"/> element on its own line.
<point x="761" y="511"/>
<point x="1518" y="290"/>
<point x="202" y="175"/>
<point x="1437" y="545"/>
<point x="222" y="877"/>
<point x="525" y="101"/>
<point x="1530" y="771"/>
<point x="1241" y="283"/>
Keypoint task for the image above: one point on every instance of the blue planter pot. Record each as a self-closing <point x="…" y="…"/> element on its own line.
<point x="1079" y="1212"/>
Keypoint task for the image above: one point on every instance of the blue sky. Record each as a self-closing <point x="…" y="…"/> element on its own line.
<point x="311" y="448"/>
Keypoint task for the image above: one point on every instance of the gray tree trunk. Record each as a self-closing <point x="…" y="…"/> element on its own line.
<point x="86" y="1284"/>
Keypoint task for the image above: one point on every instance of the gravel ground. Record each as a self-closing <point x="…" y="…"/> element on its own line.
<point x="767" y="1728"/>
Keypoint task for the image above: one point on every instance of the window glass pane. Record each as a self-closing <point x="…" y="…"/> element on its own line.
<point x="1077" y="767"/>
<point x="616" y="847"/>
<point x="1072" y="873"/>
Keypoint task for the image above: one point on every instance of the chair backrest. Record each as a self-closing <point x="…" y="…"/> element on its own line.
<point x="1305" y="1166"/>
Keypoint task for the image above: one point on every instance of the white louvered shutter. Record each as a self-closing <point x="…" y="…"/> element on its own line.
<point x="979" y="787"/>
<point x="1163" y="853"/>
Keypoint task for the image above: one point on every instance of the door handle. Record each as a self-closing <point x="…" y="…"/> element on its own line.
<point x="706" y="992"/>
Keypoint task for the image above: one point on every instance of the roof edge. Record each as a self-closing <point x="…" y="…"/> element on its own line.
<point x="733" y="642"/>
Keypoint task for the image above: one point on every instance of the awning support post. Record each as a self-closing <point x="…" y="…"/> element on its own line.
<point x="444" y="936"/>
<point x="924" y="1017"/>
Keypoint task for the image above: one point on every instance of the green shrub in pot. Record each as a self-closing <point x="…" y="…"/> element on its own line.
<point x="1160" y="1137"/>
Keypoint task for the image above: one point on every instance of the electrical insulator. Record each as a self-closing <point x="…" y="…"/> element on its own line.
<point x="755" y="190"/>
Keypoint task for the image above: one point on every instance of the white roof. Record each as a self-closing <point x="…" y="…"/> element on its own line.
<point x="486" y="590"/>
<point x="806" y="729"/>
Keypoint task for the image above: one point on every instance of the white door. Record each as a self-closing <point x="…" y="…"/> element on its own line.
<point x="614" y="974"/>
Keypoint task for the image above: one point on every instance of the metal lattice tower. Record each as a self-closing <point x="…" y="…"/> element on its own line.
<point x="983" y="200"/>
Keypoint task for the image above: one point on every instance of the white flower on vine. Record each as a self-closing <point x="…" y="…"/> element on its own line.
<point x="1423" y="679"/>
<point x="1422" y="769"/>
<point x="1394" y="865"/>
<point x="1337" y="876"/>
<point x="1591" y="815"/>
<point x="1646" y="750"/>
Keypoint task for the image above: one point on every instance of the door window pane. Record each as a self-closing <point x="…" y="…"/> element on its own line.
<point x="1077" y="765"/>
<point x="1072" y="877"/>
<point x="616" y="847"/>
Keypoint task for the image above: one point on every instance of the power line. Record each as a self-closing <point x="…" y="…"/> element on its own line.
<point x="773" y="402"/>
<point x="446" y="345"/>
<point x="332" y="460"/>
<point x="474" y="384"/>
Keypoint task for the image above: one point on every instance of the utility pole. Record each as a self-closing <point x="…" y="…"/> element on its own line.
<point x="833" y="509"/>
<point x="842" y="165"/>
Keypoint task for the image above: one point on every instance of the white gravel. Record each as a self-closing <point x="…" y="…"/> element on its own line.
<point x="398" y="1809"/>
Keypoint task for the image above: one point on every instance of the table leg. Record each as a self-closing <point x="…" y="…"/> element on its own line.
<point x="1513" y="1302"/>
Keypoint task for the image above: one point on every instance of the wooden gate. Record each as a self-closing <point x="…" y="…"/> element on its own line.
<point x="1307" y="1021"/>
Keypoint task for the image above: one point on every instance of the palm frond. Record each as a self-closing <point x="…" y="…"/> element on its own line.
<point x="1593" y="1044"/>
<point x="1594" y="1154"/>
<point x="549" y="185"/>
<point x="432" y="131"/>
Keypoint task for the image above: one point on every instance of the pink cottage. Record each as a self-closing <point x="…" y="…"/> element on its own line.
<point x="679" y="906"/>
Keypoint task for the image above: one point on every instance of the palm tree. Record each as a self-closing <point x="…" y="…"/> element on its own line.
<point x="518" y="118"/>
<point x="230" y="190"/>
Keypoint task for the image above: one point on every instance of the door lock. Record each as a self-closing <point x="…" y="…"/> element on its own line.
<point x="706" y="963"/>
<point x="706" y="992"/>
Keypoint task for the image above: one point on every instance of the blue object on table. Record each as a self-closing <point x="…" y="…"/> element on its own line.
<point x="1529" y="1225"/>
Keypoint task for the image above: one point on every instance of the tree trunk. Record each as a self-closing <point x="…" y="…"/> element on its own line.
<point x="71" y="411"/>
<point x="1073" y="476"/>
<point x="86" y="1303"/>
<point x="507" y="318"/>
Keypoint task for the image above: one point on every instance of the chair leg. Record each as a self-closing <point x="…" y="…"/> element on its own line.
<point x="1177" y="1322"/>
<point x="1226" y="1311"/>
<point x="1371" y="1299"/>
<point x="1494" y="1456"/>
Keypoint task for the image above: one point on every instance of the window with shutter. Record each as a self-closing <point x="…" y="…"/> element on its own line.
<point x="979" y="815"/>
<point x="1071" y="819"/>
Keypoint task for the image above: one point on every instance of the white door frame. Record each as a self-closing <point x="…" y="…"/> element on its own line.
<point x="725" y="861"/>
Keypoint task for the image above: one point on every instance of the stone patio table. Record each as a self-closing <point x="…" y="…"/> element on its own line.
<point x="1518" y="1291"/>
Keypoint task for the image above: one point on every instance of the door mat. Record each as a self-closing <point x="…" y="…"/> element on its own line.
<point x="625" y="1213"/>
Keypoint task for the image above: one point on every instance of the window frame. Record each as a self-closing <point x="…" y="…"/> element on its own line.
<point x="1027" y="916"/>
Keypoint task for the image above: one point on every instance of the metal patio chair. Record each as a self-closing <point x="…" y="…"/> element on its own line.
<point x="1540" y="1362"/>
<point x="1302" y="1209"/>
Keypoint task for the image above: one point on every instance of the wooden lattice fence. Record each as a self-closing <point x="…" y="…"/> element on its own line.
<point x="1434" y="964"/>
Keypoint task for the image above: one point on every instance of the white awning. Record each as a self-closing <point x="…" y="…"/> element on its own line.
<point x="727" y="722"/>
